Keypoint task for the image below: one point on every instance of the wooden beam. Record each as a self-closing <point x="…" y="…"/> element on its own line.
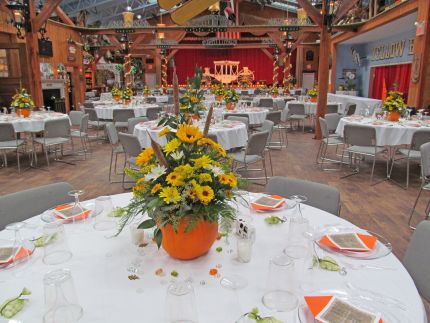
<point x="46" y="12"/>
<point x="268" y="54"/>
<point x="345" y="7"/>
<point x="277" y="39"/>
<point x="63" y="16"/>
<point x="114" y="40"/>
<point x="311" y="11"/>
<point x="171" y="54"/>
<point x="4" y="9"/>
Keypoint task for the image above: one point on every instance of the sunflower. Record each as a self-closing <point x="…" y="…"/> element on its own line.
<point x="172" y="145"/>
<point x="205" y="194"/>
<point x="188" y="133"/>
<point x="221" y="151"/>
<point x="228" y="179"/>
<point x="145" y="157"/>
<point x="202" y="162"/>
<point x="206" y="141"/>
<point x="185" y="170"/>
<point x="170" y="195"/>
<point x="140" y="184"/>
<point x="156" y="188"/>
<point x="194" y="99"/>
<point x="205" y="177"/>
<point x="175" y="179"/>
<point x="164" y="132"/>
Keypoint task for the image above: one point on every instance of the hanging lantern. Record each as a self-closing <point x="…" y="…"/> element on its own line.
<point x="128" y="16"/>
<point x="161" y="35"/>
<point x="214" y="8"/>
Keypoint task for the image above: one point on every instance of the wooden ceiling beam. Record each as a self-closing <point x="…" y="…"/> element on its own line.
<point x="63" y="16"/>
<point x="345" y="7"/>
<point x="171" y="54"/>
<point x="311" y="11"/>
<point x="46" y="12"/>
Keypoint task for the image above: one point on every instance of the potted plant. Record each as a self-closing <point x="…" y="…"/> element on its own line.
<point x="230" y="98"/>
<point x="394" y="105"/>
<point x="116" y="93"/>
<point x="23" y="103"/>
<point x="274" y="91"/>
<point x="126" y="96"/>
<point x="191" y="102"/>
<point x="185" y="189"/>
<point x="313" y="94"/>
<point x="219" y="92"/>
<point x="146" y="91"/>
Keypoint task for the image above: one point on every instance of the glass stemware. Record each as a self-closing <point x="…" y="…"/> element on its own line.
<point x="18" y="251"/>
<point x="298" y="199"/>
<point x="181" y="303"/>
<point x="103" y="210"/>
<point x="77" y="206"/>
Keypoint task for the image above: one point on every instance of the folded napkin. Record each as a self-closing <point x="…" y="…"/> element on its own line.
<point x="261" y="205"/>
<point x="317" y="305"/>
<point x="333" y="241"/>
<point x="9" y="255"/>
<point x="13" y="305"/>
<point x="70" y="212"/>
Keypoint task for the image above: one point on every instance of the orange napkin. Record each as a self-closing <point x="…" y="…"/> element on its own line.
<point x="317" y="303"/>
<point x="368" y="240"/>
<point x="80" y="216"/>
<point x="265" y="208"/>
<point x="22" y="253"/>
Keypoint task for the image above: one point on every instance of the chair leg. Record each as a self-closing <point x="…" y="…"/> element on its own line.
<point x="46" y="154"/>
<point x="271" y="165"/>
<point x="110" y="165"/>
<point x="318" y="153"/>
<point x="123" y="174"/>
<point x="17" y="160"/>
<point x="373" y="168"/>
<point x="407" y="173"/>
<point x="413" y="209"/>
<point x="265" y="170"/>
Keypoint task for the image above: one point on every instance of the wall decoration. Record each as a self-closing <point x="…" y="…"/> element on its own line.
<point x="416" y="67"/>
<point x="355" y="56"/>
<point x="309" y="55"/>
<point x="387" y="51"/>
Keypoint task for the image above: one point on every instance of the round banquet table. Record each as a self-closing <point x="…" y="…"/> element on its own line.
<point x="34" y="123"/>
<point x="256" y="115"/>
<point x="106" y="111"/>
<point x="278" y="102"/>
<point x="387" y="133"/>
<point x="99" y="269"/>
<point x="230" y="134"/>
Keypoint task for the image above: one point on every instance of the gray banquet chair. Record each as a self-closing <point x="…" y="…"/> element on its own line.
<point x="82" y="134"/>
<point x="269" y="126"/>
<point x="94" y="122"/>
<point x="425" y="174"/>
<point x="321" y="196"/>
<point x="326" y="141"/>
<point x="116" y="150"/>
<point x="22" y="205"/>
<point x="132" y="149"/>
<point x="276" y="118"/>
<point x="152" y="113"/>
<point x="350" y="109"/>
<point x="296" y="112"/>
<point x="121" y="116"/>
<point x="132" y="122"/>
<point x="75" y="118"/>
<point x="417" y="259"/>
<point x="9" y="141"/>
<point x="332" y="121"/>
<point x="332" y="108"/>
<point x="266" y="103"/>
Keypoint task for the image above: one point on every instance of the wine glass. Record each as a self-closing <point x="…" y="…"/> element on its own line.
<point x="298" y="199"/>
<point x="17" y="252"/>
<point x="77" y="206"/>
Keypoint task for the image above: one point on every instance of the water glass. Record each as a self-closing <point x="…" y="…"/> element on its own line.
<point x="61" y="301"/>
<point x="103" y="210"/>
<point x="137" y="235"/>
<point x="244" y="248"/>
<point x="181" y="305"/>
<point x="280" y="285"/>
<point x="56" y="250"/>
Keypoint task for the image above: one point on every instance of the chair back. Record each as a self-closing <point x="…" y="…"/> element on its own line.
<point x="151" y="99"/>
<point x="130" y="144"/>
<point x="60" y="105"/>
<point x="266" y="103"/>
<point x="112" y="133"/>
<point x="350" y="109"/>
<point x="152" y="113"/>
<point x="243" y="92"/>
<point x="76" y="117"/>
<point x="7" y="132"/>
<point x="257" y="91"/>
<point x="324" y="127"/>
<point x="257" y="143"/>
<point x="274" y="116"/>
<point x="425" y="160"/>
<point x="122" y="115"/>
<point x="132" y="122"/>
<point x="242" y="119"/>
<point x="296" y="109"/>
<point x="88" y="105"/>
<point x="268" y="125"/>
<point x="419" y="138"/>
<point x="332" y="120"/>
<point x="332" y="108"/>
<point x="22" y="205"/>
<point x="321" y="196"/>
<point x="92" y="114"/>
<point x="57" y="128"/>
<point x="417" y="258"/>
<point x="358" y="135"/>
<point x="170" y="99"/>
<point x="84" y="123"/>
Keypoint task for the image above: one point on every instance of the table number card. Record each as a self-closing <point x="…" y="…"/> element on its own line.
<point x="268" y="201"/>
<point x="348" y="241"/>
<point x="338" y="311"/>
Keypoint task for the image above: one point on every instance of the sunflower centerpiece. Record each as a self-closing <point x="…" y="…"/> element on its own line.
<point x="313" y="94"/>
<point x="146" y="91"/>
<point x="127" y="95"/>
<point x="116" y="93"/>
<point x="219" y="92"/>
<point x="191" y="103"/>
<point x="185" y="189"/>
<point x="22" y="103"/>
<point x="231" y="98"/>
<point x="274" y="91"/>
<point x="394" y="105"/>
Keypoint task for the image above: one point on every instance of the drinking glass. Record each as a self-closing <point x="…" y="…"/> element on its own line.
<point x="77" y="204"/>
<point x="244" y="247"/>
<point x="61" y="301"/>
<point x="181" y="305"/>
<point x="103" y="210"/>
<point x="298" y="199"/>
<point x="56" y="250"/>
<point x="280" y="285"/>
<point x="21" y="249"/>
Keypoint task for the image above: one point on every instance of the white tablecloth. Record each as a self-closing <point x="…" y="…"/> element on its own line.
<point x="105" y="96"/>
<point x="310" y="108"/>
<point x="106" y="111"/>
<point x="256" y="115"/>
<point x="99" y="269"/>
<point x="362" y="103"/>
<point x="278" y="102"/>
<point x="35" y="123"/>
<point x="387" y="133"/>
<point x="230" y="134"/>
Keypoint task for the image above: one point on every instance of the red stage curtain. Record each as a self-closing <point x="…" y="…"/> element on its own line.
<point x="254" y="59"/>
<point x="384" y="78"/>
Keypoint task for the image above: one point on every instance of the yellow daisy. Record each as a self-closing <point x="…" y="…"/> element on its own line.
<point x="205" y="177"/>
<point x="156" y="188"/>
<point x="206" y="141"/>
<point x="205" y="194"/>
<point x="164" y="132"/>
<point x="188" y="133"/>
<point x="172" y="145"/>
<point x="194" y="99"/>
<point x="170" y="195"/>
<point x="202" y="162"/>
<point x="175" y="179"/>
<point x="185" y="170"/>
<point x="145" y="157"/>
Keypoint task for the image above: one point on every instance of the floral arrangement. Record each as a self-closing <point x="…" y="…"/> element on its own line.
<point x="191" y="102"/>
<point x="127" y="93"/>
<point x="187" y="180"/>
<point x="394" y="102"/>
<point x="219" y="90"/>
<point x="22" y="100"/>
<point x="313" y="93"/>
<point x="231" y="96"/>
<point x="116" y="92"/>
<point x="146" y="90"/>
<point x="274" y="90"/>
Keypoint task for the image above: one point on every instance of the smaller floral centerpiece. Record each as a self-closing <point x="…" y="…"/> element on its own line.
<point x="116" y="93"/>
<point x="146" y="91"/>
<point x="231" y="98"/>
<point x="191" y="102"/>
<point x="127" y="94"/>
<point x="219" y="92"/>
<point x="23" y="103"/>
<point x="185" y="188"/>
<point x="274" y="91"/>
<point x="313" y="94"/>
<point x="395" y="105"/>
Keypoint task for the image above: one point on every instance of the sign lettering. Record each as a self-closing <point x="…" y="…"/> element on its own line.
<point x="388" y="51"/>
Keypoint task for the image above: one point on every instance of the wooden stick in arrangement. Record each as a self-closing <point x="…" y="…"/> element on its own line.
<point x="157" y="151"/>
<point x="175" y="91"/>
<point x="208" y="121"/>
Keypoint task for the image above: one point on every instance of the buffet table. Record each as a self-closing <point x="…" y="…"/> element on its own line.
<point x="100" y="267"/>
<point x="34" y="123"/>
<point x="362" y="103"/>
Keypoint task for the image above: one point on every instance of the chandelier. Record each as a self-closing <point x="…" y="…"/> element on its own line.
<point x="20" y="16"/>
<point x="219" y="43"/>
